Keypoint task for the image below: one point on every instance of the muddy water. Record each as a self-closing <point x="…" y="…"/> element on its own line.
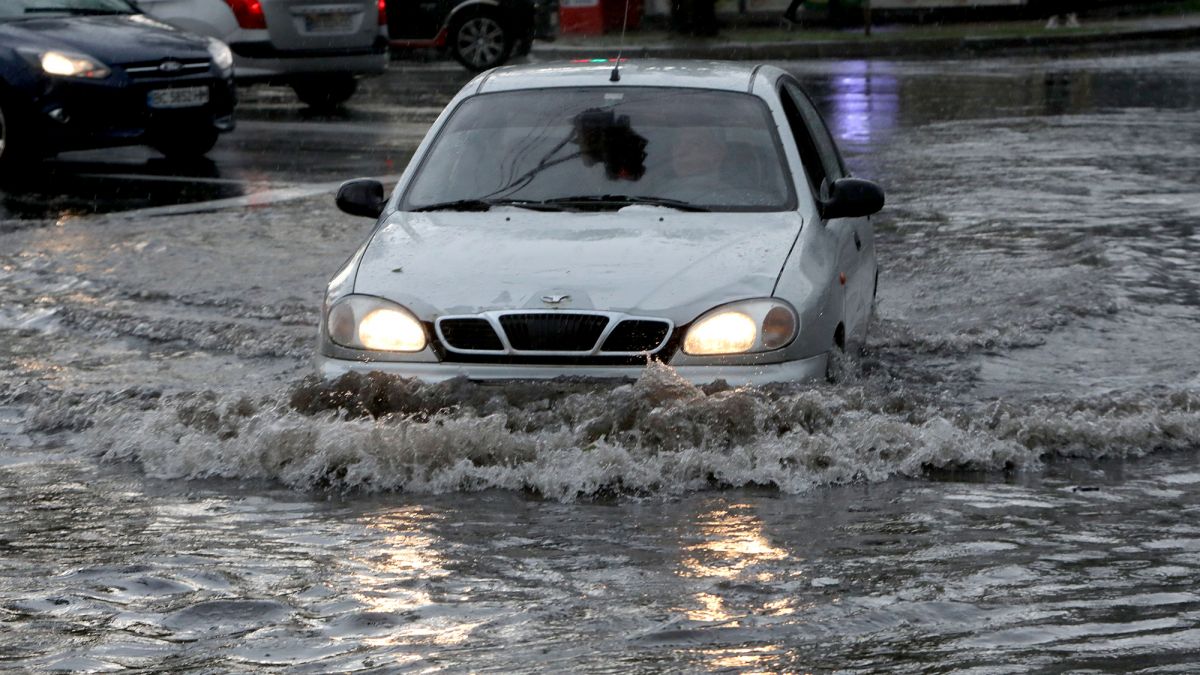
<point x="1007" y="481"/>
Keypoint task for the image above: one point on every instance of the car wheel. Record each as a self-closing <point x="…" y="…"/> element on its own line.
<point x="326" y="92"/>
<point x="836" y="364"/>
<point x="190" y="145"/>
<point x="480" y="41"/>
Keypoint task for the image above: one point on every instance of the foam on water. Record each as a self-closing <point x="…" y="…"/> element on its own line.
<point x="569" y="440"/>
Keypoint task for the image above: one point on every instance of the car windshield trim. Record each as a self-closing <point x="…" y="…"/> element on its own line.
<point x="776" y="160"/>
<point x="17" y="10"/>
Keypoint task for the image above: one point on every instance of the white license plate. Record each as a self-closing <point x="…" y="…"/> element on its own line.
<point x="328" y="22"/>
<point x="181" y="97"/>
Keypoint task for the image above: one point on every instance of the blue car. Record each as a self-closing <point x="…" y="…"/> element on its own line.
<point x="80" y="74"/>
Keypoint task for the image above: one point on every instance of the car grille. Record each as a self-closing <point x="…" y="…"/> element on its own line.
<point x="553" y="331"/>
<point x="550" y="336"/>
<point x="636" y="335"/>
<point x="166" y="68"/>
<point x="471" y="335"/>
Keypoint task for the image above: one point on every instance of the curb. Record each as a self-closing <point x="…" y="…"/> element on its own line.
<point x="916" y="48"/>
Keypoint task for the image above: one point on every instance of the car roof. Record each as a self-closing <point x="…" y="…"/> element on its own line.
<point x="722" y="75"/>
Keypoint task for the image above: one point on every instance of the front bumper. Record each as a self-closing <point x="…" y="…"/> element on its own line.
<point x="803" y="370"/>
<point x="78" y="115"/>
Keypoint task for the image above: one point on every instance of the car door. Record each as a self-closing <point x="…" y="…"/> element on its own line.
<point x="853" y="236"/>
<point x="415" y="19"/>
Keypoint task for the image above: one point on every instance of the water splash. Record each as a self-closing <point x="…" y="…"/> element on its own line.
<point x="661" y="435"/>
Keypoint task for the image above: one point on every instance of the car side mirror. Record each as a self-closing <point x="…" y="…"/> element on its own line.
<point x="361" y="197"/>
<point x="851" y="198"/>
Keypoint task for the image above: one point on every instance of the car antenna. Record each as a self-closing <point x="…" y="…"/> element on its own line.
<point x="616" y="73"/>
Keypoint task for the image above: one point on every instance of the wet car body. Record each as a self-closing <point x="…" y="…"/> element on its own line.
<point x="480" y="34"/>
<point x="152" y="84"/>
<point x="515" y="293"/>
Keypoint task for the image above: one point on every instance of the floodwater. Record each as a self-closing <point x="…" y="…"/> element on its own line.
<point x="1008" y="480"/>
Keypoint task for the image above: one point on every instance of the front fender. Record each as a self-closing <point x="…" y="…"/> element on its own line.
<point x="810" y="281"/>
<point x="472" y="4"/>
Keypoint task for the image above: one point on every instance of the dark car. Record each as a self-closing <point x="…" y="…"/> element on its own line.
<point x="79" y="74"/>
<point x="480" y="34"/>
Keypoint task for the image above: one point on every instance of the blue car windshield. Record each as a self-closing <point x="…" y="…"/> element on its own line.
<point x="24" y="9"/>
<point x="606" y="147"/>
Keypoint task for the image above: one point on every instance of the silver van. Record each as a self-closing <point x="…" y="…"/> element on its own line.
<point x="318" y="47"/>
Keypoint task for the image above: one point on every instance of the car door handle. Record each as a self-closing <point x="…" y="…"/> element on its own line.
<point x="857" y="242"/>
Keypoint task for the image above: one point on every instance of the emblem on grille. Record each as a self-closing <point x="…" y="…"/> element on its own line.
<point x="555" y="299"/>
<point x="170" y="66"/>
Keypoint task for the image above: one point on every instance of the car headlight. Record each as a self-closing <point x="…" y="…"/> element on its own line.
<point x="68" y="64"/>
<point x="221" y="54"/>
<point x="743" y="327"/>
<point x="365" y="322"/>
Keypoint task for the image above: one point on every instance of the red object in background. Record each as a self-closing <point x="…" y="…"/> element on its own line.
<point x="614" y="14"/>
<point x="596" y="17"/>
<point x="249" y="13"/>
<point x="383" y="20"/>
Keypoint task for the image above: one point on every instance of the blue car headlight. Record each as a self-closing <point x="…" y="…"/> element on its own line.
<point x="72" y="64"/>
<point x="222" y="56"/>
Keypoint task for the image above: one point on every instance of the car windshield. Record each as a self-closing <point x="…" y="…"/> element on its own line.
<point x="606" y="148"/>
<point x="13" y="9"/>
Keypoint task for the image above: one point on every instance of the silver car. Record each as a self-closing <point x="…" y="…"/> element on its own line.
<point x="576" y="220"/>
<point x="318" y="47"/>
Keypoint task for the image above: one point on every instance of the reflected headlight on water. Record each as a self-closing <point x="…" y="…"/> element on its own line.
<point x="365" y="322"/>
<point x="743" y="327"/>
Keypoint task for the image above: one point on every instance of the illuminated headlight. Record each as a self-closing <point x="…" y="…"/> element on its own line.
<point x="742" y="328"/>
<point x="221" y="54"/>
<point x="365" y="322"/>
<point x="65" y="64"/>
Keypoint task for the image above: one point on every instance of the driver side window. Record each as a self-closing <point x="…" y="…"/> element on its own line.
<point x="822" y="161"/>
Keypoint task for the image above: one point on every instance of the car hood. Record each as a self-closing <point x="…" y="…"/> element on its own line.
<point x="640" y="260"/>
<point x="112" y="39"/>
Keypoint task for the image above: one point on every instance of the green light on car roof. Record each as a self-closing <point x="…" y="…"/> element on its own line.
<point x="599" y="60"/>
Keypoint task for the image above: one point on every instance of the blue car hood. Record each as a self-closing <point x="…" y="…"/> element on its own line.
<point x="112" y="39"/>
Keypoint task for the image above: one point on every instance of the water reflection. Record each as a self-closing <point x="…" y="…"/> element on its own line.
<point x="733" y="543"/>
<point x="746" y="660"/>
<point x="397" y="581"/>
<point x="864" y="101"/>
<point x="732" y="549"/>
<point x="106" y="181"/>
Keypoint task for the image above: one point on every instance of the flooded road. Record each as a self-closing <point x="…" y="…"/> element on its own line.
<point x="1007" y="481"/>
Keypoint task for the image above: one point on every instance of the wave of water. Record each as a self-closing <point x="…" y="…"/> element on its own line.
<point x="568" y="440"/>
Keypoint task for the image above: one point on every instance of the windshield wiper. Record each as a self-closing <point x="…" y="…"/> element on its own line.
<point x="620" y="201"/>
<point x="595" y="202"/>
<point x="487" y="204"/>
